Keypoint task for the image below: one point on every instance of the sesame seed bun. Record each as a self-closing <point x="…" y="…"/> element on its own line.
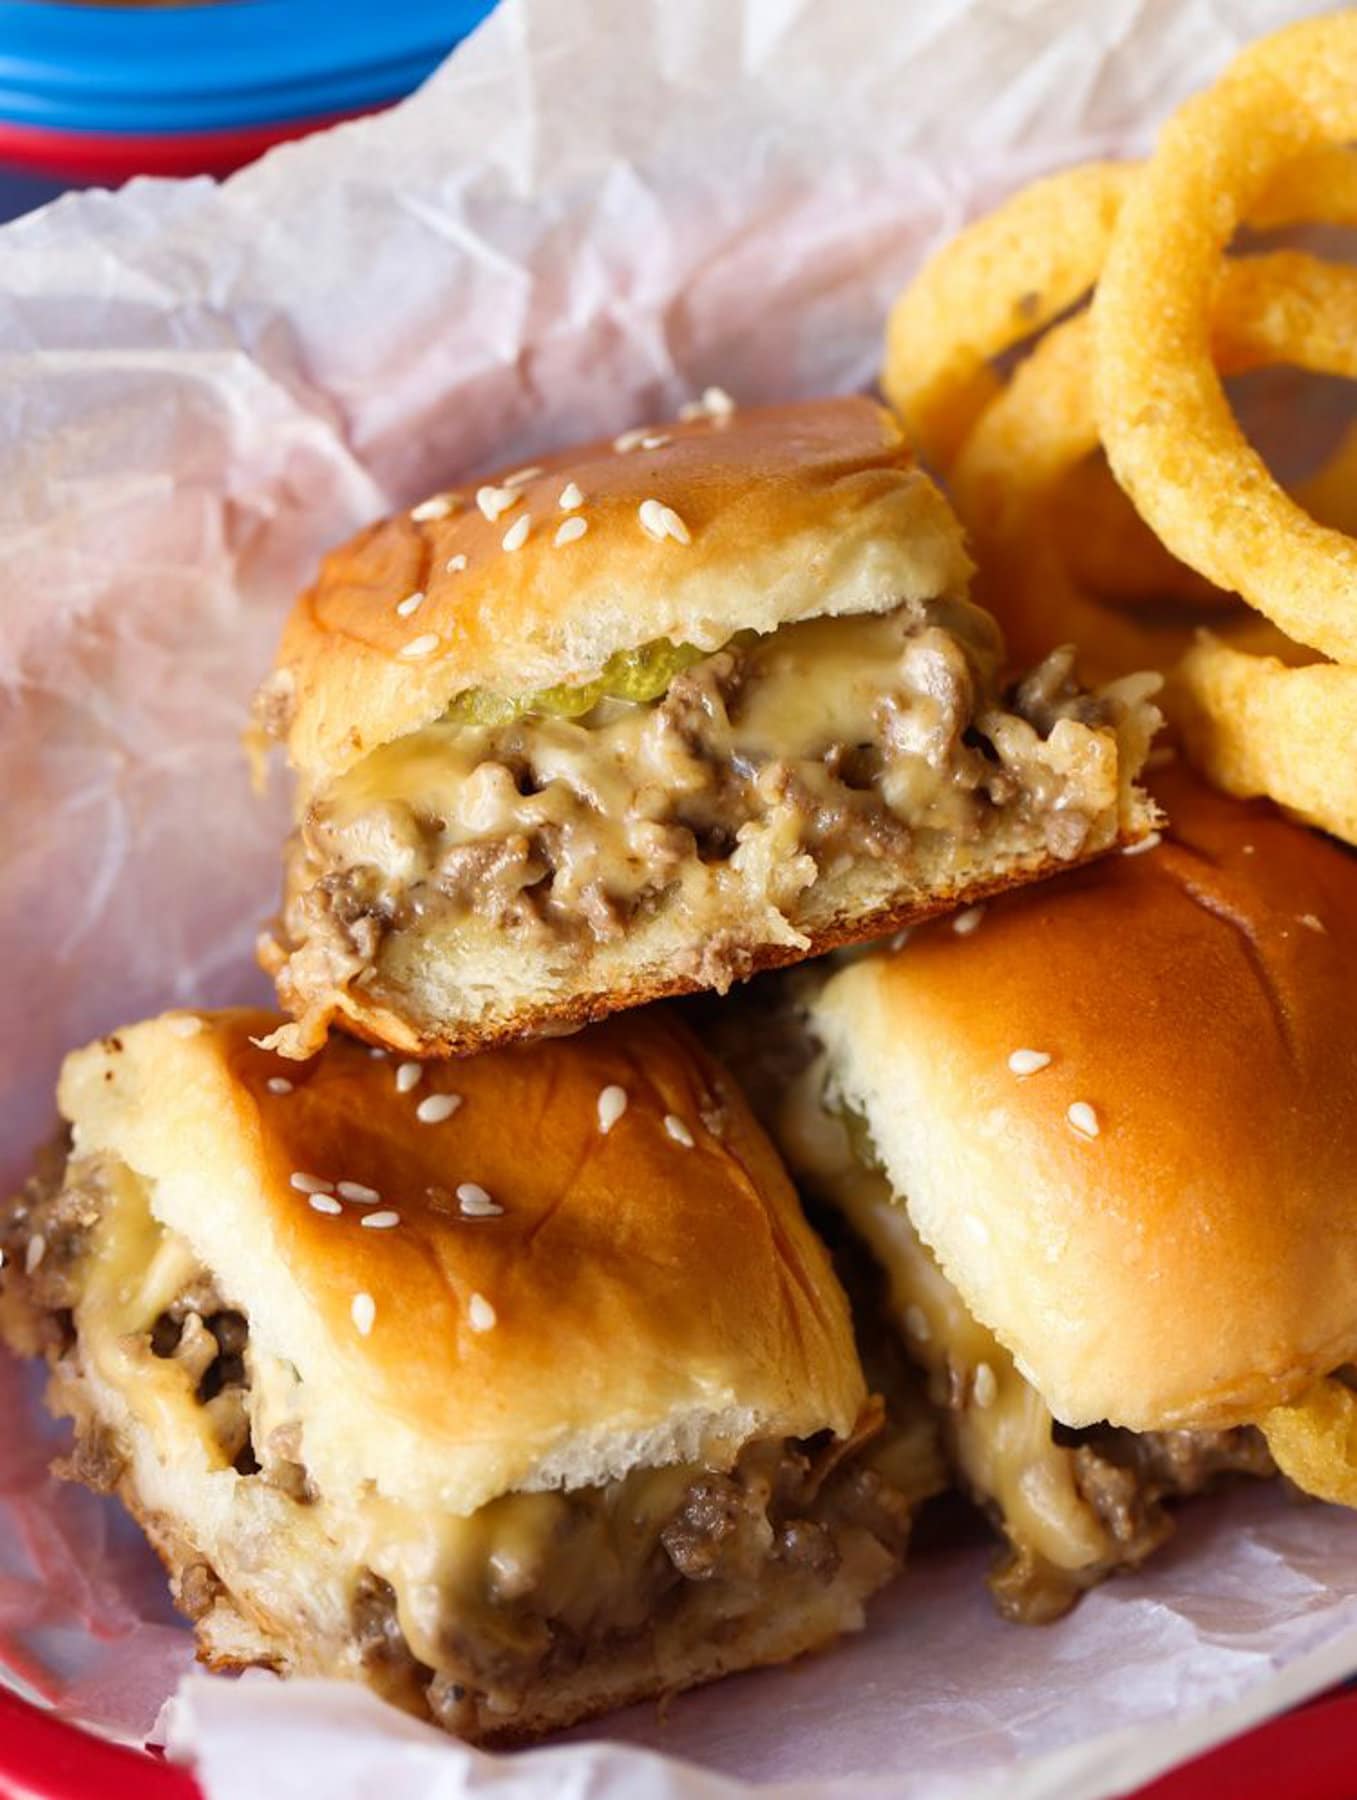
<point x="434" y="903"/>
<point x="790" y="512"/>
<point x="1195" y="1261"/>
<point x="637" y="1300"/>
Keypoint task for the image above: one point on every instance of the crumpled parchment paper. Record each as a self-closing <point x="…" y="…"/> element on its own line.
<point x="596" y="208"/>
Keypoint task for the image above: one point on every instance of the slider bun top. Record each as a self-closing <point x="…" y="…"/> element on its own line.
<point x="792" y="511"/>
<point x="1196" y="1261"/>
<point x="651" y="1302"/>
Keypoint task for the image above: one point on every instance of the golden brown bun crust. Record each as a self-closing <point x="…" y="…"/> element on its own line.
<point x="792" y="511"/>
<point x="232" y="1636"/>
<point x="651" y="1301"/>
<point x="1197" y="1260"/>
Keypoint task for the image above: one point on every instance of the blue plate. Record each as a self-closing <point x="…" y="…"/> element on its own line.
<point x="239" y="63"/>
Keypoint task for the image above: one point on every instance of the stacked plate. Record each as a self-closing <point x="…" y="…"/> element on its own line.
<point x="99" y="93"/>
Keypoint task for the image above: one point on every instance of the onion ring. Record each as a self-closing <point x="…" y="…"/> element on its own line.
<point x="1254" y="726"/>
<point x="1167" y="426"/>
<point x="1109" y="550"/>
<point x="1330" y="494"/>
<point x="994" y="285"/>
<point x="1281" y="306"/>
<point x="1319" y="188"/>
<point x="1314" y="1441"/>
<point x="1012" y="273"/>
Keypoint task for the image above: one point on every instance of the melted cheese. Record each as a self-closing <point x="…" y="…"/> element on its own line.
<point x="605" y="810"/>
<point x="999" y="1428"/>
<point x="473" y="1590"/>
<point x="134" y="1270"/>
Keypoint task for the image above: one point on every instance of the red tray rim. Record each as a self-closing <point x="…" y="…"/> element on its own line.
<point x="1308" y="1754"/>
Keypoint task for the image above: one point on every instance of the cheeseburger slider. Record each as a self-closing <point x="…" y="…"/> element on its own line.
<point x="650" y="717"/>
<point x="1104" y="1149"/>
<point x="510" y="1438"/>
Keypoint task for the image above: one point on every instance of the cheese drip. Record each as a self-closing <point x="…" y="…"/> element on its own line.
<point x="482" y="1599"/>
<point x="999" y="1428"/>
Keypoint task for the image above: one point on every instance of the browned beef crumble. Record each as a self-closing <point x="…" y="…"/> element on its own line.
<point x="573" y="875"/>
<point x="1130" y="1479"/>
<point x="786" y="1506"/>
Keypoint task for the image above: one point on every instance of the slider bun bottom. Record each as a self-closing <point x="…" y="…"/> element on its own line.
<point x="290" y="1613"/>
<point x="440" y="992"/>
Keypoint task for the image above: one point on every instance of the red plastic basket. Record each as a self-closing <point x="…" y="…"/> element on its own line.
<point x="1306" y="1755"/>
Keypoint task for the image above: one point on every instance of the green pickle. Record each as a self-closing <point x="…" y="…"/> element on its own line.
<point x="639" y="675"/>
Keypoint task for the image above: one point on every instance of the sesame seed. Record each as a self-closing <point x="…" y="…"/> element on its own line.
<point x="1247" y="849"/>
<point x="631" y="440"/>
<point x="1311" y="923"/>
<point x="309" y="1184"/>
<point x="2" y="1259"/>
<point x="678" y="1130"/>
<point x="1029" y="1062"/>
<point x="455" y="564"/>
<point x="377" y="1052"/>
<point x="715" y="404"/>
<point x="424" y="645"/>
<point x="900" y="939"/>
<point x="436" y="1107"/>
<point x="517" y="534"/>
<point x="322" y="1203"/>
<point x="520" y="476"/>
<point x="437" y="506"/>
<point x="916" y="1324"/>
<point x="380" y="1221"/>
<point x="358" y="1193"/>
<point x="410" y="604"/>
<point x="476" y="1203"/>
<point x="660" y="521"/>
<point x="612" y="1103"/>
<point x="571" y="497"/>
<point x="984" y="1386"/>
<point x="279" y="1084"/>
<point x="363" y="1312"/>
<point x="407" y="1076"/>
<point x="656" y="441"/>
<point x="965" y="922"/>
<point x="569" y="530"/>
<point x="33" y="1255"/>
<point x="480" y="1315"/>
<point x="495" y="500"/>
<point x="1083" y="1118"/>
<point x="186" y="1025"/>
<point x="1151" y="841"/>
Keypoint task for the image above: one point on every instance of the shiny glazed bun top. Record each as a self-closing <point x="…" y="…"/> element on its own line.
<point x="540" y="1267"/>
<point x="685" y="533"/>
<point x="1123" y="1111"/>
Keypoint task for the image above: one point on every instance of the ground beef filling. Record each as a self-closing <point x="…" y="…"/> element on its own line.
<point x="726" y="1548"/>
<point x="831" y="743"/>
<point x="44" y="1231"/>
<point x="1126" y="1478"/>
<point x="1073" y="1506"/>
<point x="531" y="1586"/>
